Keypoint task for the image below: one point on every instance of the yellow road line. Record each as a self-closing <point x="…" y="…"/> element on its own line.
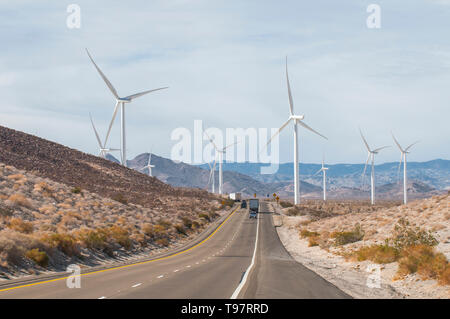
<point x="129" y="265"/>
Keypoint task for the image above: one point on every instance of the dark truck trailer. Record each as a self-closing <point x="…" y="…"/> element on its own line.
<point x="253" y="207"/>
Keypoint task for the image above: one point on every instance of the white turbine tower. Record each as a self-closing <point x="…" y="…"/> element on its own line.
<point x="324" y="172"/>
<point x="403" y="158"/>
<point x="219" y="153"/>
<point x="149" y="165"/>
<point x="297" y="119"/>
<point x="120" y="101"/>
<point x="371" y="155"/>
<point x="103" y="149"/>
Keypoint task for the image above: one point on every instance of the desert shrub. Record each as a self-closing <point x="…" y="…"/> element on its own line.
<point x="94" y="239"/>
<point x="347" y="237"/>
<point x="10" y="252"/>
<point x="39" y="257"/>
<point x="76" y="190"/>
<point x="147" y="229"/>
<point x="306" y="233"/>
<point x="165" y="223"/>
<point x="187" y="222"/>
<point x="16" y="177"/>
<point x="227" y="203"/>
<point x="380" y="254"/>
<point x="159" y="231"/>
<point x="64" y="242"/>
<point x="20" y="225"/>
<point x="294" y="211"/>
<point x="20" y="200"/>
<point x="204" y="216"/>
<point x="425" y="261"/>
<point x="405" y="235"/>
<point x="120" y="198"/>
<point x="213" y="215"/>
<point x="285" y="204"/>
<point x="313" y="241"/>
<point x="180" y="229"/>
<point x="162" y="242"/>
<point x="121" y="236"/>
<point x="5" y="211"/>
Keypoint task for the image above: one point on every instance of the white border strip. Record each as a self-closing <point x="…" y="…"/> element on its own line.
<point x="244" y="279"/>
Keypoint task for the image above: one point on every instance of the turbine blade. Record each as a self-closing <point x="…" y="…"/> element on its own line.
<point x="309" y="128"/>
<point x="407" y="149"/>
<point x="230" y="145"/>
<point x="133" y="96"/>
<point x="399" y="166"/>
<point x="365" y="167"/>
<point x="211" y="140"/>
<point x="291" y="102"/>
<point x="318" y="171"/>
<point x="276" y="133"/>
<point x="96" y="133"/>
<point x="379" y="149"/>
<point x="110" y="86"/>
<point x="396" y="142"/>
<point x="365" y="142"/>
<point x="116" y="108"/>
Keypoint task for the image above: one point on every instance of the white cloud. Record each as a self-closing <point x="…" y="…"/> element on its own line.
<point x="223" y="61"/>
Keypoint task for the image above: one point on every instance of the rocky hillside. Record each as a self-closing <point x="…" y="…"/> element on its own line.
<point x="45" y="225"/>
<point x="77" y="169"/>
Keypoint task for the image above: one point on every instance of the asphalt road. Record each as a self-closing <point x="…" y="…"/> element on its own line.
<point x="227" y="264"/>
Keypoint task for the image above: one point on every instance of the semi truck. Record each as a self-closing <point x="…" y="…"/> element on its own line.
<point x="235" y="196"/>
<point x="253" y="207"/>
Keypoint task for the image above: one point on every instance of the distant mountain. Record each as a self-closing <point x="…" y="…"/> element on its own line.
<point x="182" y="174"/>
<point x="435" y="173"/>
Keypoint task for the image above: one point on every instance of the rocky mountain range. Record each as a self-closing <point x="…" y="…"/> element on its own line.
<point x="344" y="180"/>
<point x="435" y="173"/>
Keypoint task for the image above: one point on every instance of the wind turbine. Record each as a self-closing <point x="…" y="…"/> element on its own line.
<point x="211" y="176"/>
<point x="297" y="119"/>
<point x="103" y="149"/>
<point x="324" y="171"/>
<point x="371" y="155"/>
<point x="120" y="101"/>
<point x="149" y="165"/>
<point x="220" y="153"/>
<point x="403" y="158"/>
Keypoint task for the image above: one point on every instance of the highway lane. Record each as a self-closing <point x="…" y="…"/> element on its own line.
<point x="277" y="275"/>
<point x="212" y="269"/>
<point x="218" y="263"/>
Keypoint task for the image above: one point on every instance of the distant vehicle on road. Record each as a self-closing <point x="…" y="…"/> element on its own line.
<point x="235" y="196"/>
<point x="244" y="204"/>
<point x="253" y="206"/>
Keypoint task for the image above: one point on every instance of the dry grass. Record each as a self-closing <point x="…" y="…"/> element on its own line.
<point x="20" y="200"/>
<point x="20" y="225"/>
<point x="40" y="218"/>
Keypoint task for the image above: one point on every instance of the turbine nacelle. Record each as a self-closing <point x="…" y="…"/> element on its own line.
<point x="297" y="117"/>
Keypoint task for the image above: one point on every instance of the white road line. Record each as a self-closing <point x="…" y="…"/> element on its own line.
<point x="188" y="266"/>
<point x="244" y="279"/>
<point x="196" y="263"/>
<point x="137" y="285"/>
<point x="175" y="270"/>
<point x="160" y="276"/>
<point x="102" y="297"/>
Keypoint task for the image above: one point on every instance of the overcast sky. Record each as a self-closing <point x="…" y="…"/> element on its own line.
<point x="224" y="64"/>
